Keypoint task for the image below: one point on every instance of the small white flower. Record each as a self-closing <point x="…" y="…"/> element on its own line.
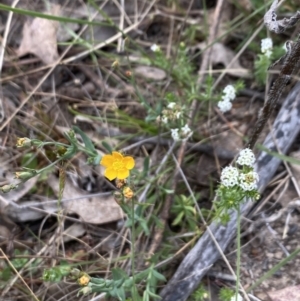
<point x="266" y="43"/>
<point x="224" y="105"/>
<point x="266" y="46"/>
<point x="175" y="135"/>
<point x="229" y="92"/>
<point x="246" y="157"/>
<point x="268" y="53"/>
<point x="249" y="180"/>
<point x="237" y="298"/>
<point x="178" y="114"/>
<point x="229" y="176"/>
<point x="164" y="119"/>
<point x="186" y="130"/>
<point x="155" y="48"/>
<point x="171" y="105"/>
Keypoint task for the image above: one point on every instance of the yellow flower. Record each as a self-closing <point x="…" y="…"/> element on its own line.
<point x="84" y="280"/>
<point x="117" y="166"/>
<point x="23" y="142"/>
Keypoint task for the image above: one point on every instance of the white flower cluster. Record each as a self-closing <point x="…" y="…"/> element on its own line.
<point x="248" y="181"/>
<point x="173" y="112"/>
<point x="155" y="48"/>
<point x="181" y="134"/>
<point x="229" y="94"/>
<point x="266" y="47"/>
<point x="246" y="157"/>
<point x="232" y="176"/>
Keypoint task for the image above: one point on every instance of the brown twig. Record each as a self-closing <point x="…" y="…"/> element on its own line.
<point x="275" y="92"/>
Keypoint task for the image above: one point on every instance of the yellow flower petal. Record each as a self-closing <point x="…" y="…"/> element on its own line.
<point x="107" y="160"/>
<point x="117" y="156"/>
<point x="129" y="162"/>
<point x="122" y="174"/>
<point x="110" y="173"/>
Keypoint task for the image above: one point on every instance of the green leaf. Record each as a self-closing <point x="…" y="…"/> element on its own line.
<point x="135" y="294"/>
<point x="86" y="140"/>
<point x="145" y="227"/>
<point x="158" y="275"/>
<point x="153" y="295"/>
<point x="167" y="191"/>
<point x="6" y="273"/>
<point x="119" y="293"/>
<point x="71" y="151"/>
<point x="107" y="147"/>
<point x="29" y="160"/>
<point x="146" y="296"/>
<point x="146" y="166"/>
<point x="52" y="275"/>
<point x="118" y="274"/>
<point x="189" y="208"/>
<point x="178" y="219"/>
<point x="97" y="160"/>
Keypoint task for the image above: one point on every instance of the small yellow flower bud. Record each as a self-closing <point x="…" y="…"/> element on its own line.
<point x="84" y="280"/>
<point x="8" y="188"/>
<point x="23" y="142"/>
<point x="5" y="188"/>
<point x="115" y="64"/>
<point x="25" y="175"/>
<point x="128" y="193"/>
<point x="61" y="150"/>
<point x="75" y="273"/>
<point x="120" y="183"/>
<point x="128" y="73"/>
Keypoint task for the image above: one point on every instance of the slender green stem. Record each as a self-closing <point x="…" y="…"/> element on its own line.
<point x="132" y="242"/>
<point x="85" y="150"/>
<point x="48" y="166"/>
<point x="54" y="143"/>
<point x="238" y="258"/>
